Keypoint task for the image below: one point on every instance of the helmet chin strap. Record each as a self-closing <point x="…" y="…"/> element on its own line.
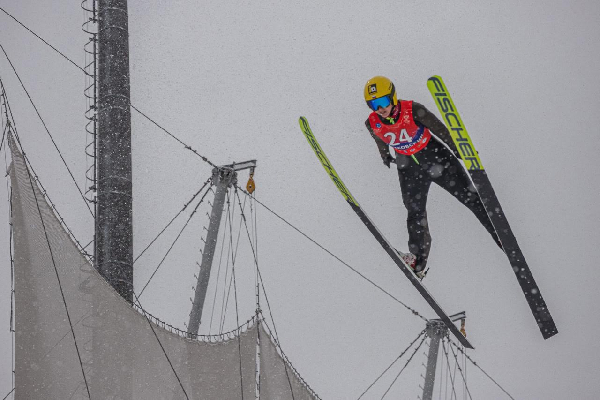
<point x="394" y="113"/>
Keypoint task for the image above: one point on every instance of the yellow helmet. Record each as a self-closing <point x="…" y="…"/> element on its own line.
<point x="380" y="87"/>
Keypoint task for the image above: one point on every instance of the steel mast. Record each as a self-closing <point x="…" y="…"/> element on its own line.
<point x="437" y="330"/>
<point x="223" y="177"/>
<point x="114" y="228"/>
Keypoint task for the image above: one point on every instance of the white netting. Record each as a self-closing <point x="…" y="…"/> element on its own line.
<point x="120" y="352"/>
<point x="278" y="378"/>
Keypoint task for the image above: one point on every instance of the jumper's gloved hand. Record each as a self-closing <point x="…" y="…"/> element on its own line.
<point x="387" y="160"/>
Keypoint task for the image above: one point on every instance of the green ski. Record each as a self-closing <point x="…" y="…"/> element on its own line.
<point x="492" y="205"/>
<point x="378" y="235"/>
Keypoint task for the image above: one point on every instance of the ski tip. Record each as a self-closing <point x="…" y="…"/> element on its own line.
<point x="436" y="83"/>
<point x="303" y="123"/>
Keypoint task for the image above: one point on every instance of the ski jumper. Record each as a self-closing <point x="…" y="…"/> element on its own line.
<point x="422" y="158"/>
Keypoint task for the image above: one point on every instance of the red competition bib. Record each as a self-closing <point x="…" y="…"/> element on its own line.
<point x="405" y="136"/>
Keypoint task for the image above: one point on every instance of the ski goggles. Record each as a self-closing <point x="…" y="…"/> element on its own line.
<point x="380" y="102"/>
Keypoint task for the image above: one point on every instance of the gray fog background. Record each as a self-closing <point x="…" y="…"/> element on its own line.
<point x="231" y="78"/>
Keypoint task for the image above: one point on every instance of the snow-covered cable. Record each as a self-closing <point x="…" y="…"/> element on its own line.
<point x="403" y="368"/>
<point x="481" y="369"/>
<point x="173" y="244"/>
<point x="391" y="365"/>
<point x="48" y="131"/>
<point x="187" y="147"/>
<point x="412" y="310"/>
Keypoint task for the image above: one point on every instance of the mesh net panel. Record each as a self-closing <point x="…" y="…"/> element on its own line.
<point x="278" y="378"/>
<point x="119" y="350"/>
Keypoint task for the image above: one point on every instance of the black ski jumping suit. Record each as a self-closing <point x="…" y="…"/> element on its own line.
<point x="434" y="163"/>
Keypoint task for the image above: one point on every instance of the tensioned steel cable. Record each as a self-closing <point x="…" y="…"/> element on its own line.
<point x="174" y="241"/>
<point x="47" y="131"/>
<point x="330" y="253"/>
<point x="412" y="310"/>
<point x="274" y="335"/>
<point x="392" y="364"/>
<point x="464" y="364"/>
<point x="254" y="213"/>
<point x="461" y="371"/>
<point x="234" y="252"/>
<point x="263" y="287"/>
<point x="286" y="360"/>
<point x="12" y="269"/>
<point x="237" y="320"/>
<point x="451" y="376"/>
<point x="257" y="372"/>
<point x="405" y="365"/>
<point x="30" y="171"/>
<point x="13" y="128"/>
<point x="12" y="260"/>
<point x="234" y="281"/>
<point x="57" y="277"/>
<point x="161" y="346"/>
<point x="481" y="369"/>
<point x="39" y="37"/>
<point x="172" y="220"/>
<point x="254" y="219"/>
<point x="8" y="394"/>
<point x="441" y="375"/>
<point x="6" y="128"/>
<point x="186" y="146"/>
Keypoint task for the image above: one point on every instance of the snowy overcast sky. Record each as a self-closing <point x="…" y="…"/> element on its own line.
<point x="231" y="79"/>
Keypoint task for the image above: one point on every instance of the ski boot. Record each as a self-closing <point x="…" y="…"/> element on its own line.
<point x="411" y="260"/>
